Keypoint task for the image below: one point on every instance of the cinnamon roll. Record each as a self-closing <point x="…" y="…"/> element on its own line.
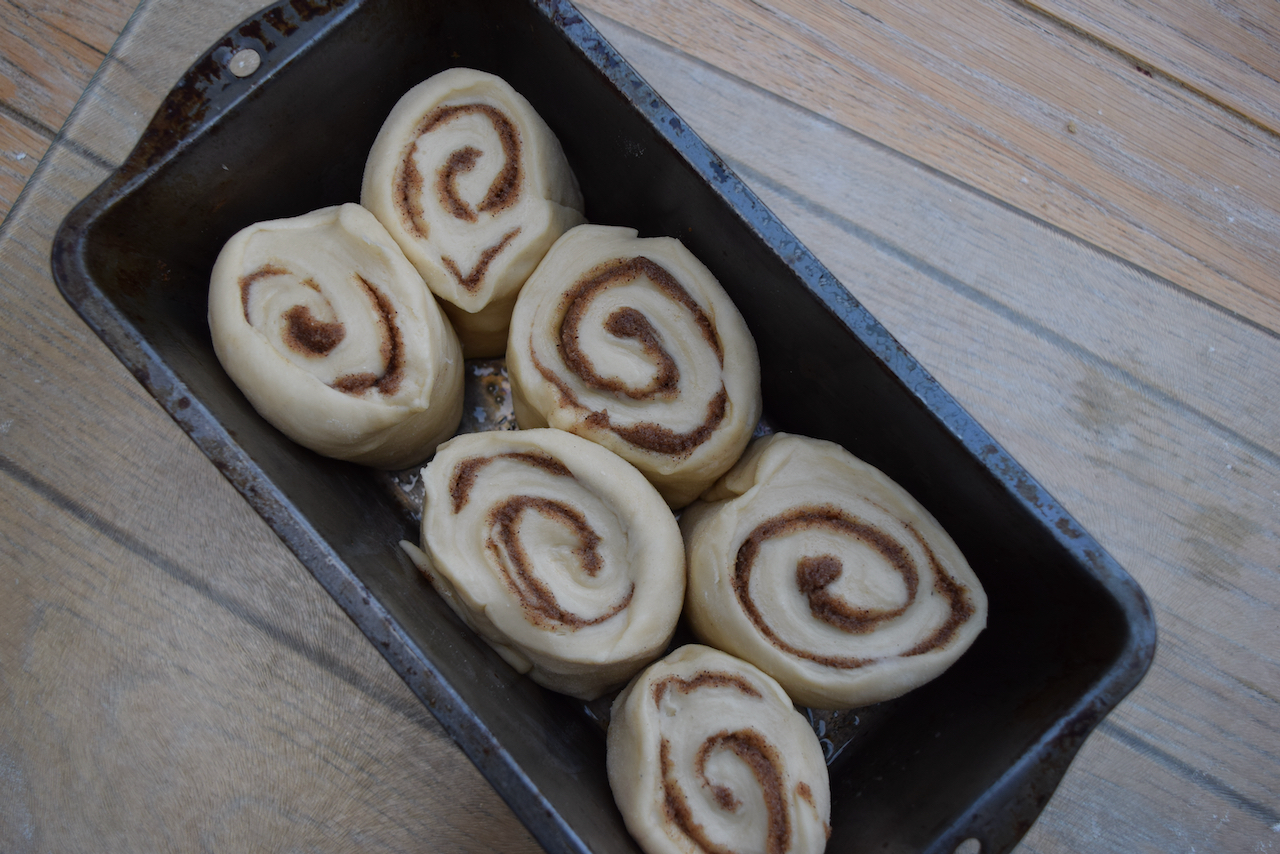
<point x="475" y="188"/>
<point x="706" y="754"/>
<point x="632" y="343"/>
<point x="554" y="550"/>
<point x="330" y="333"/>
<point x="827" y="575"/>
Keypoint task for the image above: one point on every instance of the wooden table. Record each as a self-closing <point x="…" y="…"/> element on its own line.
<point x="1068" y="210"/>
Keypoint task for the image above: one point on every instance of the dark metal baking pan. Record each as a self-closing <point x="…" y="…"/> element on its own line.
<point x="974" y="754"/>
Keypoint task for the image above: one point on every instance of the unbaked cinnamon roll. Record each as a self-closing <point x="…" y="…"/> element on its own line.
<point x="632" y="343"/>
<point x="554" y="550"/>
<point x="826" y="574"/>
<point x="707" y="755"/>
<point x="475" y="188"/>
<point x="330" y="333"/>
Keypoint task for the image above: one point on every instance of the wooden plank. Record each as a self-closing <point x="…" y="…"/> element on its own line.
<point x="1025" y="110"/>
<point x="230" y="700"/>
<point x="220" y="699"/>
<point x="1148" y="413"/>
<point x="216" y="689"/>
<point x="48" y="52"/>
<point x="1230" y="53"/>
<point x="49" y="65"/>
<point x="20" y="150"/>
<point x="1162" y="444"/>
<point x="95" y="23"/>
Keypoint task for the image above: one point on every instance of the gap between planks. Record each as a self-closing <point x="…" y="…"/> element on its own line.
<point x="1025" y="109"/>
<point x="48" y="54"/>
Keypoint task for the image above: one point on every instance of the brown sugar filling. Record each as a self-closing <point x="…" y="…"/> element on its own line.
<point x="536" y="598"/>
<point x="961" y="608"/>
<point x="248" y="280"/>
<point x="749" y="745"/>
<point x="462" y="160"/>
<point x="625" y="323"/>
<point x="471" y="281"/>
<point x="509" y="553"/>
<point x="815" y="574"/>
<point x="464" y="473"/>
<point x="306" y="334"/>
<point x="755" y="751"/>
<point x="630" y="323"/>
<point x="704" y="679"/>
<point x="311" y="337"/>
<point x="390" y="349"/>
<point x="503" y="192"/>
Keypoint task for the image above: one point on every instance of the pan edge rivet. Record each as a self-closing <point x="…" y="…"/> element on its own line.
<point x="245" y="62"/>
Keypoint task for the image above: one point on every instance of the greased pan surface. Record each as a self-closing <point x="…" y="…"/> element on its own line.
<point x="974" y="754"/>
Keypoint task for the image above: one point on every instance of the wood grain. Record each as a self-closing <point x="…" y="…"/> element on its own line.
<point x="48" y="52"/>
<point x="93" y="23"/>
<point x="47" y="66"/>
<point x="1227" y="52"/>
<point x="173" y="674"/>
<point x="1022" y="108"/>
<point x="21" y="148"/>
<point x="1132" y="439"/>
<point x="173" y="678"/>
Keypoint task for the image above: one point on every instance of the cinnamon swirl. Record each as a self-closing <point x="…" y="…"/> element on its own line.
<point x="827" y="575"/>
<point x="330" y="333"/>
<point x="706" y="754"/>
<point x="632" y="343"/>
<point x="475" y="188"/>
<point x="554" y="550"/>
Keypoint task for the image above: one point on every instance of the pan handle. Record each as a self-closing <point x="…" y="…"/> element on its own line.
<point x="228" y="72"/>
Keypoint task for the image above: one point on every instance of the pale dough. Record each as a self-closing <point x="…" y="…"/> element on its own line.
<point x="632" y="343"/>
<point x="475" y="188"/>
<point x="827" y="575"/>
<point x="555" y="551"/>
<point x="706" y="753"/>
<point x="333" y="337"/>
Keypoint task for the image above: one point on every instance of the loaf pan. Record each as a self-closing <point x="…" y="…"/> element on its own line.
<point x="973" y="755"/>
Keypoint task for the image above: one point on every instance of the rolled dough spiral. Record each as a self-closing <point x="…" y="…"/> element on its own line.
<point x="632" y="343"/>
<point x="330" y="333"/>
<point x="475" y="188"/>
<point x="707" y="755"/>
<point x="555" y="551"/>
<point x="827" y="575"/>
